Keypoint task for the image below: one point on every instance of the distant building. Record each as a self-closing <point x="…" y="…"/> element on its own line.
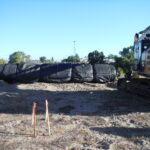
<point x="109" y="60"/>
<point x="84" y="60"/>
<point x="35" y="61"/>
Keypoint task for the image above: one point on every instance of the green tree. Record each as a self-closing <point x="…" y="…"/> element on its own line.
<point x="111" y="56"/>
<point x="27" y="58"/>
<point x="72" y="58"/>
<point x="43" y="59"/>
<point x="127" y="52"/>
<point x="50" y="61"/>
<point x="96" y="57"/>
<point x="2" y="61"/>
<point x="128" y="58"/>
<point x="17" y="57"/>
<point x="126" y="61"/>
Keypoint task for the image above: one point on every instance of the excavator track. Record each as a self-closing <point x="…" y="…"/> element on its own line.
<point x="139" y="86"/>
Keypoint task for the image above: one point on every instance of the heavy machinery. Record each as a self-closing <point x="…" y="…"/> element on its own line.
<point x="139" y="81"/>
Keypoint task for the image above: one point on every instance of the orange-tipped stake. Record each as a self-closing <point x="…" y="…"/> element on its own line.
<point x="34" y="116"/>
<point x="47" y="116"/>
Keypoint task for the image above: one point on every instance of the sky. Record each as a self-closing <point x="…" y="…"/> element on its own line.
<point x="49" y="27"/>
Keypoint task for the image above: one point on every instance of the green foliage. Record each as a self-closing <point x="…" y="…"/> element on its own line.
<point x="111" y="56"/>
<point x="28" y="58"/>
<point x="126" y="61"/>
<point x="96" y="57"/>
<point x="120" y="70"/>
<point x="18" y="57"/>
<point x="127" y="52"/>
<point x="118" y="62"/>
<point x="72" y="58"/>
<point x="50" y="61"/>
<point x="43" y="59"/>
<point x="2" y="61"/>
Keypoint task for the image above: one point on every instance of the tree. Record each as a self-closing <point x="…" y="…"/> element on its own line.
<point x="96" y="57"/>
<point x="17" y="57"/>
<point x="50" y="61"/>
<point x="27" y="58"/>
<point x="43" y="59"/>
<point x="111" y="56"/>
<point x="127" y="52"/>
<point x="126" y="61"/>
<point x="2" y="61"/>
<point x="72" y="58"/>
<point x="128" y="58"/>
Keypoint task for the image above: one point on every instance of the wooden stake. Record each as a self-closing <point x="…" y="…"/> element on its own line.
<point x="47" y="116"/>
<point x="34" y="114"/>
<point x="46" y="110"/>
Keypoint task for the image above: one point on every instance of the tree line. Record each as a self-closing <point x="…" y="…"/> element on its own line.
<point x="123" y="63"/>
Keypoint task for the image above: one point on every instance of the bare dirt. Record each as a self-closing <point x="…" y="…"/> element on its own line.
<point x="84" y="116"/>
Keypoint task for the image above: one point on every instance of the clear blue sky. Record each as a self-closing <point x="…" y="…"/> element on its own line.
<point x="49" y="27"/>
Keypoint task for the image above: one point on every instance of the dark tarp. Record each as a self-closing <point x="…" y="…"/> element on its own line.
<point x="1" y="71"/>
<point x="28" y="73"/>
<point x="104" y="73"/>
<point x="59" y="73"/>
<point x="10" y="72"/>
<point x="56" y="72"/>
<point x="82" y="73"/>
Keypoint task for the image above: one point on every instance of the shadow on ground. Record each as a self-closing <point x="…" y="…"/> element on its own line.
<point x="124" y="132"/>
<point x="88" y="103"/>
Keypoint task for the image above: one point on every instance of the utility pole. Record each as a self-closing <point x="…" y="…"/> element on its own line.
<point x="74" y="47"/>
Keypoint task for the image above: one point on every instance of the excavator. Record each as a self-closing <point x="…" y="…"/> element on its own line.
<point x="138" y="82"/>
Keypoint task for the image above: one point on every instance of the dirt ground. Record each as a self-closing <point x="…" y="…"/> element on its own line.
<point x="84" y="116"/>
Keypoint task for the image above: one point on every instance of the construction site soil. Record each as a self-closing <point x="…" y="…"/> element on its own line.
<point x="87" y="116"/>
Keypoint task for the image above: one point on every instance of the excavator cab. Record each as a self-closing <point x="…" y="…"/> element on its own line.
<point x="142" y="52"/>
<point x="140" y="83"/>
